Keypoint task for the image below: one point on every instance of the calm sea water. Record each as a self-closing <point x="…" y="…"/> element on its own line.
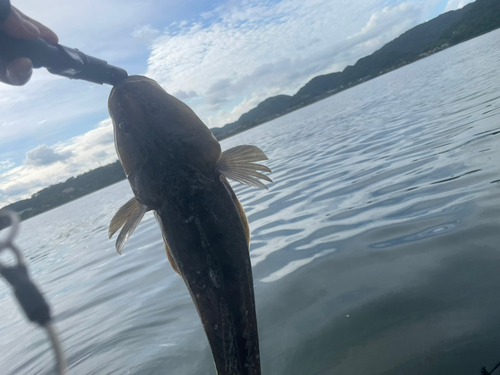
<point x="375" y="251"/>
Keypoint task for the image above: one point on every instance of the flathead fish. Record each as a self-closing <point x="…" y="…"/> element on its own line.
<point x="176" y="169"/>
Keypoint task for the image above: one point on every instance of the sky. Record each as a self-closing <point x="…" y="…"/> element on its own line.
<point x="220" y="57"/>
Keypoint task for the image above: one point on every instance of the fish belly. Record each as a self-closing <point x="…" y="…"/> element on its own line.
<point x="204" y="232"/>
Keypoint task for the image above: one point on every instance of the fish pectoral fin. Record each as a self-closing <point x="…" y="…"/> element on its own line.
<point x="237" y="164"/>
<point x="128" y="216"/>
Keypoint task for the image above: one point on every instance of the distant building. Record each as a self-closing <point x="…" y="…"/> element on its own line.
<point x="68" y="190"/>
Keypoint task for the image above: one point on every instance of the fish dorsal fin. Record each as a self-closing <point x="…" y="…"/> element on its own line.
<point x="239" y="207"/>
<point x="128" y="216"/>
<point x="237" y="164"/>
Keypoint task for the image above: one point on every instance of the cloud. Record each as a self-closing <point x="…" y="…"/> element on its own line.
<point x="44" y="155"/>
<point x="246" y="51"/>
<point x="6" y="164"/>
<point x="388" y="20"/>
<point x="145" y="33"/>
<point x="47" y="165"/>
<point x="384" y="26"/>
<point x="183" y="95"/>
<point x="456" y="4"/>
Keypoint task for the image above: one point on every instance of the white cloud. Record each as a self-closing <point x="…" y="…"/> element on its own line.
<point x="49" y="165"/>
<point x="94" y="26"/>
<point x="145" y="33"/>
<point x="183" y="95"/>
<point x="384" y="26"/>
<point x="247" y="51"/>
<point x="47" y="107"/>
<point x="456" y="4"/>
<point x="6" y="164"/>
<point x="44" y="155"/>
<point x="391" y="20"/>
<point x="224" y="117"/>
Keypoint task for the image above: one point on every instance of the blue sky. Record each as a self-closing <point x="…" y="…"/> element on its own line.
<point x="220" y="57"/>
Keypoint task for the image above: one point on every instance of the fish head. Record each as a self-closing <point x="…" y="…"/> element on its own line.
<point x="159" y="140"/>
<point x="133" y="106"/>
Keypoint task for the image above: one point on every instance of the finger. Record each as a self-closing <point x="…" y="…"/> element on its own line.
<point x="18" y="27"/>
<point x="17" y="72"/>
<point x="3" y="69"/>
<point x="45" y="33"/>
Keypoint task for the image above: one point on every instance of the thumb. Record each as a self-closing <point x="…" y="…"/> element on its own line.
<point x="18" y="71"/>
<point x="18" y="27"/>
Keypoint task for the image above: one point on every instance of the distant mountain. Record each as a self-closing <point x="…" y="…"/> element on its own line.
<point x="265" y="111"/>
<point x="479" y="17"/>
<point x="421" y="41"/>
<point x="64" y="192"/>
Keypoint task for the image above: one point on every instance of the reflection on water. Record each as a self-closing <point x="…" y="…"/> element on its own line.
<point x="376" y="250"/>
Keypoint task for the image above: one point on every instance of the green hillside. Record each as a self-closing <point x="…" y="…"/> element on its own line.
<point x="427" y="38"/>
<point x="64" y="192"/>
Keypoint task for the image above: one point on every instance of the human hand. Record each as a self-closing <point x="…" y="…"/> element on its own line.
<point x="18" y="25"/>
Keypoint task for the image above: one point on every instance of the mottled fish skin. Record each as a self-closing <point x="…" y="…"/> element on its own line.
<point x="170" y="159"/>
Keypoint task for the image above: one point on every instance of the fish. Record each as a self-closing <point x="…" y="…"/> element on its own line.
<point x="176" y="168"/>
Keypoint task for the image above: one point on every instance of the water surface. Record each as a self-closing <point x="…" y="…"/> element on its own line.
<point x="375" y="251"/>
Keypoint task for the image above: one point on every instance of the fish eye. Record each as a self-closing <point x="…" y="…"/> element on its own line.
<point x="154" y="104"/>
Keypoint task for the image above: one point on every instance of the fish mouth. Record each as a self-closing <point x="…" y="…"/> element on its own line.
<point x="122" y="90"/>
<point x="133" y="79"/>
